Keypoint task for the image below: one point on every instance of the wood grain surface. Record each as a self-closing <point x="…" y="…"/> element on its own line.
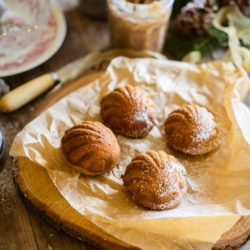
<point x="20" y="227"/>
<point x="38" y="190"/>
<point x="41" y="195"/>
<point x="235" y="236"/>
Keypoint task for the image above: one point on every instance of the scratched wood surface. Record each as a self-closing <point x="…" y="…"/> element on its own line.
<point x="20" y="227"/>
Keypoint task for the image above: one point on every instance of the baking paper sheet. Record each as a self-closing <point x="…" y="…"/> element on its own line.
<point x="218" y="183"/>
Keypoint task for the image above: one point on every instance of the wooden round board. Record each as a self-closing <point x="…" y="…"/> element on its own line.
<point x="37" y="188"/>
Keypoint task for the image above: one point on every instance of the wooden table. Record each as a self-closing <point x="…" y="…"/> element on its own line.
<point x="20" y="227"/>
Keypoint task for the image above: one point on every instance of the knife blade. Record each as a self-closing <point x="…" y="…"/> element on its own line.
<point x="22" y="95"/>
<point x="25" y="93"/>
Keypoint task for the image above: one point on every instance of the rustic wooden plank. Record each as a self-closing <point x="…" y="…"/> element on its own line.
<point x="40" y="193"/>
<point x="20" y="229"/>
<point x="14" y="222"/>
<point x="48" y="237"/>
<point x="29" y="183"/>
<point x="74" y="47"/>
<point x="15" y="229"/>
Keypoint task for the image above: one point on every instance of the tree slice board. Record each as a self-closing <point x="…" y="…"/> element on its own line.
<point x="38" y="190"/>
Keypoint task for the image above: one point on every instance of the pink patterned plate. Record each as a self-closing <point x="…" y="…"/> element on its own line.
<point x="52" y="37"/>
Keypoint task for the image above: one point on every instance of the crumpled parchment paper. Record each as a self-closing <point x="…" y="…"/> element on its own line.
<point x="218" y="183"/>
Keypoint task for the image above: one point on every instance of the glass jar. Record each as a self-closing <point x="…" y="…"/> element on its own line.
<point x="139" y="26"/>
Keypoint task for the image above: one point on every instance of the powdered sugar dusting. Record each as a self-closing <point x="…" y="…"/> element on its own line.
<point x="191" y="129"/>
<point x="210" y="178"/>
<point x="206" y="126"/>
<point x="156" y="180"/>
<point x="128" y="111"/>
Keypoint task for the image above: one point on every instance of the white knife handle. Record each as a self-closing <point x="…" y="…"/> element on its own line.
<point x="25" y="93"/>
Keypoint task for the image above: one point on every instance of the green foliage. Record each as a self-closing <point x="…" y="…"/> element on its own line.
<point x="176" y="45"/>
<point x="205" y="44"/>
<point x="220" y="36"/>
<point x="179" y="46"/>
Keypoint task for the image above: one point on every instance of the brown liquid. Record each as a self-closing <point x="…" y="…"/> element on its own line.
<point x="127" y="31"/>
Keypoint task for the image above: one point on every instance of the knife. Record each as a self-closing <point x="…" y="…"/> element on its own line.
<point x="25" y="93"/>
<point x="22" y="95"/>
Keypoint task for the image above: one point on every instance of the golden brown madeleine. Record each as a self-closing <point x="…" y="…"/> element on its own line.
<point x="91" y="148"/>
<point x="129" y="111"/>
<point x="155" y="180"/>
<point x="192" y="130"/>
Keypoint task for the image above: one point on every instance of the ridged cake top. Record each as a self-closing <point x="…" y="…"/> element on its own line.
<point x="155" y="180"/>
<point x="91" y="148"/>
<point x="129" y="111"/>
<point x="192" y="130"/>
